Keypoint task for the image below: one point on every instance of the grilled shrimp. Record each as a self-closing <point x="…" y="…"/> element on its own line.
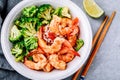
<point x="55" y="47"/>
<point x="38" y="63"/>
<point x="73" y="36"/>
<point x="36" y="51"/>
<point x="54" y="24"/>
<point x="56" y="63"/>
<point x="67" y="25"/>
<point x="67" y="57"/>
<point x="67" y="47"/>
<point x="72" y="39"/>
<point x="48" y="67"/>
<point x="65" y="54"/>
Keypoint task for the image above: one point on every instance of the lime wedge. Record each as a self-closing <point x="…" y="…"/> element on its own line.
<point x="92" y="8"/>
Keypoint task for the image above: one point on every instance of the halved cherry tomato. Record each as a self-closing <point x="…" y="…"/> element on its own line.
<point x="51" y="35"/>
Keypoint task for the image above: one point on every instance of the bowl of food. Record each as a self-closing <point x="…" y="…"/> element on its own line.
<point x="46" y="39"/>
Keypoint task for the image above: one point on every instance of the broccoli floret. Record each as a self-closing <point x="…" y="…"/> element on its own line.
<point x="29" y="19"/>
<point x="38" y="25"/>
<point x="62" y="12"/>
<point x="36" y="22"/>
<point x="44" y="22"/>
<point x="31" y="42"/>
<point x="65" y="12"/>
<point x="29" y="30"/>
<point x="57" y="11"/>
<point x="15" y="34"/>
<point x="18" y="50"/>
<point x="19" y="23"/>
<point x="45" y="11"/>
<point x="30" y="11"/>
<point x="79" y="44"/>
<point x="19" y="58"/>
<point x="23" y="20"/>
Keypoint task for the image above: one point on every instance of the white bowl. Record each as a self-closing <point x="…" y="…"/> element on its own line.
<point x="73" y="66"/>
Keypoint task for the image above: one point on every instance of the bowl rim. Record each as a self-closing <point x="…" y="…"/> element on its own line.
<point x="3" y="43"/>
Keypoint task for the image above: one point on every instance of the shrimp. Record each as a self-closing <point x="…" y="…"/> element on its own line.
<point x="73" y="36"/>
<point x="75" y="31"/>
<point x="56" y="63"/>
<point x="67" y="47"/>
<point x="35" y="51"/>
<point x="72" y="39"/>
<point x="67" y="57"/>
<point x="48" y="67"/>
<point x="55" y="47"/>
<point x="53" y="27"/>
<point x="38" y="63"/>
<point x="67" y="26"/>
<point x="65" y="54"/>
